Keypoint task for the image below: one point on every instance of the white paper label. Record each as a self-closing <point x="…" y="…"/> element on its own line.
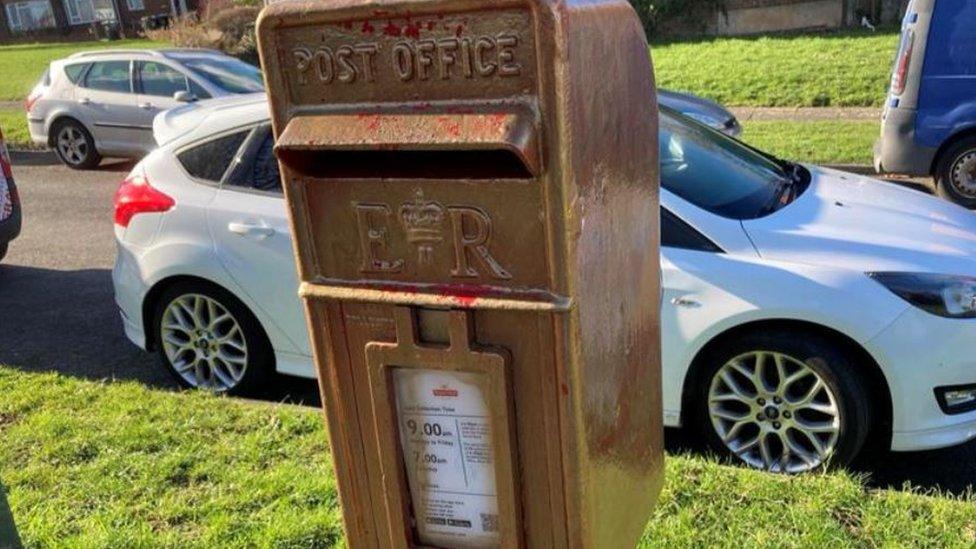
<point x="445" y="433"/>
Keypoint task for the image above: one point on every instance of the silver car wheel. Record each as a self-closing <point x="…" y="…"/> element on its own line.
<point x="204" y="343"/>
<point x="774" y="412"/>
<point x="72" y="145"/>
<point x="964" y="174"/>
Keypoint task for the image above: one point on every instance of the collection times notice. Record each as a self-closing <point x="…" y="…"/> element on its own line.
<point x="445" y="433"/>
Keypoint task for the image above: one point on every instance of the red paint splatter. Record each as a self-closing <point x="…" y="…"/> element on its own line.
<point x="465" y="300"/>
<point x="368" y="27"/>
<point x="459" y="31"/>
<point x="347" y="25"/>
<point x="565" y="388"/>
<point x="372" y="121"/>
<point x="431" y="25"/>
<point x="412" y="30"/>
<point x="392" y="29"/>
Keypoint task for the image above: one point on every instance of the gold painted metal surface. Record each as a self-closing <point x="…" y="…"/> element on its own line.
<point x="468" y="177"/>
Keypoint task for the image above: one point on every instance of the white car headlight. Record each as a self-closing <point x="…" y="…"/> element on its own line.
<point x="943" y="295"/>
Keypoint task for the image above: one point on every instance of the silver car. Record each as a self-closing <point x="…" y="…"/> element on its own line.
<point x="102" y="103"/>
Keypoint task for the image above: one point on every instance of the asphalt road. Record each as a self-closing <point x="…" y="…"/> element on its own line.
<point x="57" y="314"/>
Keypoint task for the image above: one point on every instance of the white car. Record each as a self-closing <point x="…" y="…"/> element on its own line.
<point x="805" y="310"/>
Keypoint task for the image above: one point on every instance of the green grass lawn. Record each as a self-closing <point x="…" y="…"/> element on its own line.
<point x="818" y="142"/>
<point x="90" y="464"/>
<point x="21" y="65"/>
<point x="836" y="69"/>
<point x="13" y="122"/>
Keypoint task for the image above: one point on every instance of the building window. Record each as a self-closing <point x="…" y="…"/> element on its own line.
<point x="30" y="15"/>
<point x="135" y="5"/>
<point x="81" y="12"/>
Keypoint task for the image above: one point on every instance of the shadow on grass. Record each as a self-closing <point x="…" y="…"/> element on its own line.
<point x="950" y="471"/>
<point x="9" y="538"/>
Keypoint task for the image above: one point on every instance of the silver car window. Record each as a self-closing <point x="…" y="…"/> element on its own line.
<point x="162" y="80"/>
<point x="110" y="76"/>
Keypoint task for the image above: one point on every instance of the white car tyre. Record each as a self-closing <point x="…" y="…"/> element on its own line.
<point x="209" y="340"/>
<point x="784" y="401"/>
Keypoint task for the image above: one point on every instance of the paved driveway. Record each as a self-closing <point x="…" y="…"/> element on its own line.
<point x="57" y="313"/>
<point x="56" y="307"/>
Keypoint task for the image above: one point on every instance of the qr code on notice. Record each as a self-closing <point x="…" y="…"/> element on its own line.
<point x="489" y="522"/>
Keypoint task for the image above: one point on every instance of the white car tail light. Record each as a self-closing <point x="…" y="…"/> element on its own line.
<point x="136" y="196"/>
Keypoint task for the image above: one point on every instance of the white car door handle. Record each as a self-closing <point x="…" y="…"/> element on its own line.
<point x="685" y="301"/>
<point x="251" y="230"/>
<point x="147" y="106"/>
<point x="84" y="101"/>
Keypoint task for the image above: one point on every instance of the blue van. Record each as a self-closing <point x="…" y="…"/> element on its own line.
<point x="929" y="122"/>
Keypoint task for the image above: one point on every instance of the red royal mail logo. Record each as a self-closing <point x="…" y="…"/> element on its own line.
<point x="445" y="392"/>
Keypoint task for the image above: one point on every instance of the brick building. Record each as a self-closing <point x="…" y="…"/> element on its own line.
<point x="54" y="20"/>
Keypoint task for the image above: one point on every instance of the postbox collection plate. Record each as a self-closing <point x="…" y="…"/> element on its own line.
<point x="448" y="411"/>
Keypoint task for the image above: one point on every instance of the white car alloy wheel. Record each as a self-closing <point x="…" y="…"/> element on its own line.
<point x="774" y="412"/>
<point x="204" y="343"/>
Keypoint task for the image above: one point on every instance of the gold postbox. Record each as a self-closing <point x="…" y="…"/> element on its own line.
<point x="473" y="189"/>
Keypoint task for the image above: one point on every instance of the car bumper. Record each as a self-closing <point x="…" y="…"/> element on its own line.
<point x="129" y="293"/>
<point x="920" y="353"/>
<point x="38" y="131"/>
<point x="896" y="150"/>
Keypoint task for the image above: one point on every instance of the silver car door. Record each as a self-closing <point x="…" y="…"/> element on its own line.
<point x="107" y="98"/>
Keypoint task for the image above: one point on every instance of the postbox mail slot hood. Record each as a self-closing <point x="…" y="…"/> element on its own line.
<point x="494" y="145"/>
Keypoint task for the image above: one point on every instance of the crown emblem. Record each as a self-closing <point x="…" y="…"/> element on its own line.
<point x="423" y="221"/>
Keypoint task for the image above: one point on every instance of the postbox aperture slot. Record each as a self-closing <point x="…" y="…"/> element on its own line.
<point x="406" y="164"/>
<point x="411" y="146"/>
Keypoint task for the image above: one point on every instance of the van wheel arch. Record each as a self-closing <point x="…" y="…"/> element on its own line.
<point x="948" y="144"/>
<point x="874" y="378"/>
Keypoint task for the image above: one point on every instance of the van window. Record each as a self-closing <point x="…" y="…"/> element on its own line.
<point x="110" y="76"/>
<point x="209" y="161"/>
<point x="951" y="48"/>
